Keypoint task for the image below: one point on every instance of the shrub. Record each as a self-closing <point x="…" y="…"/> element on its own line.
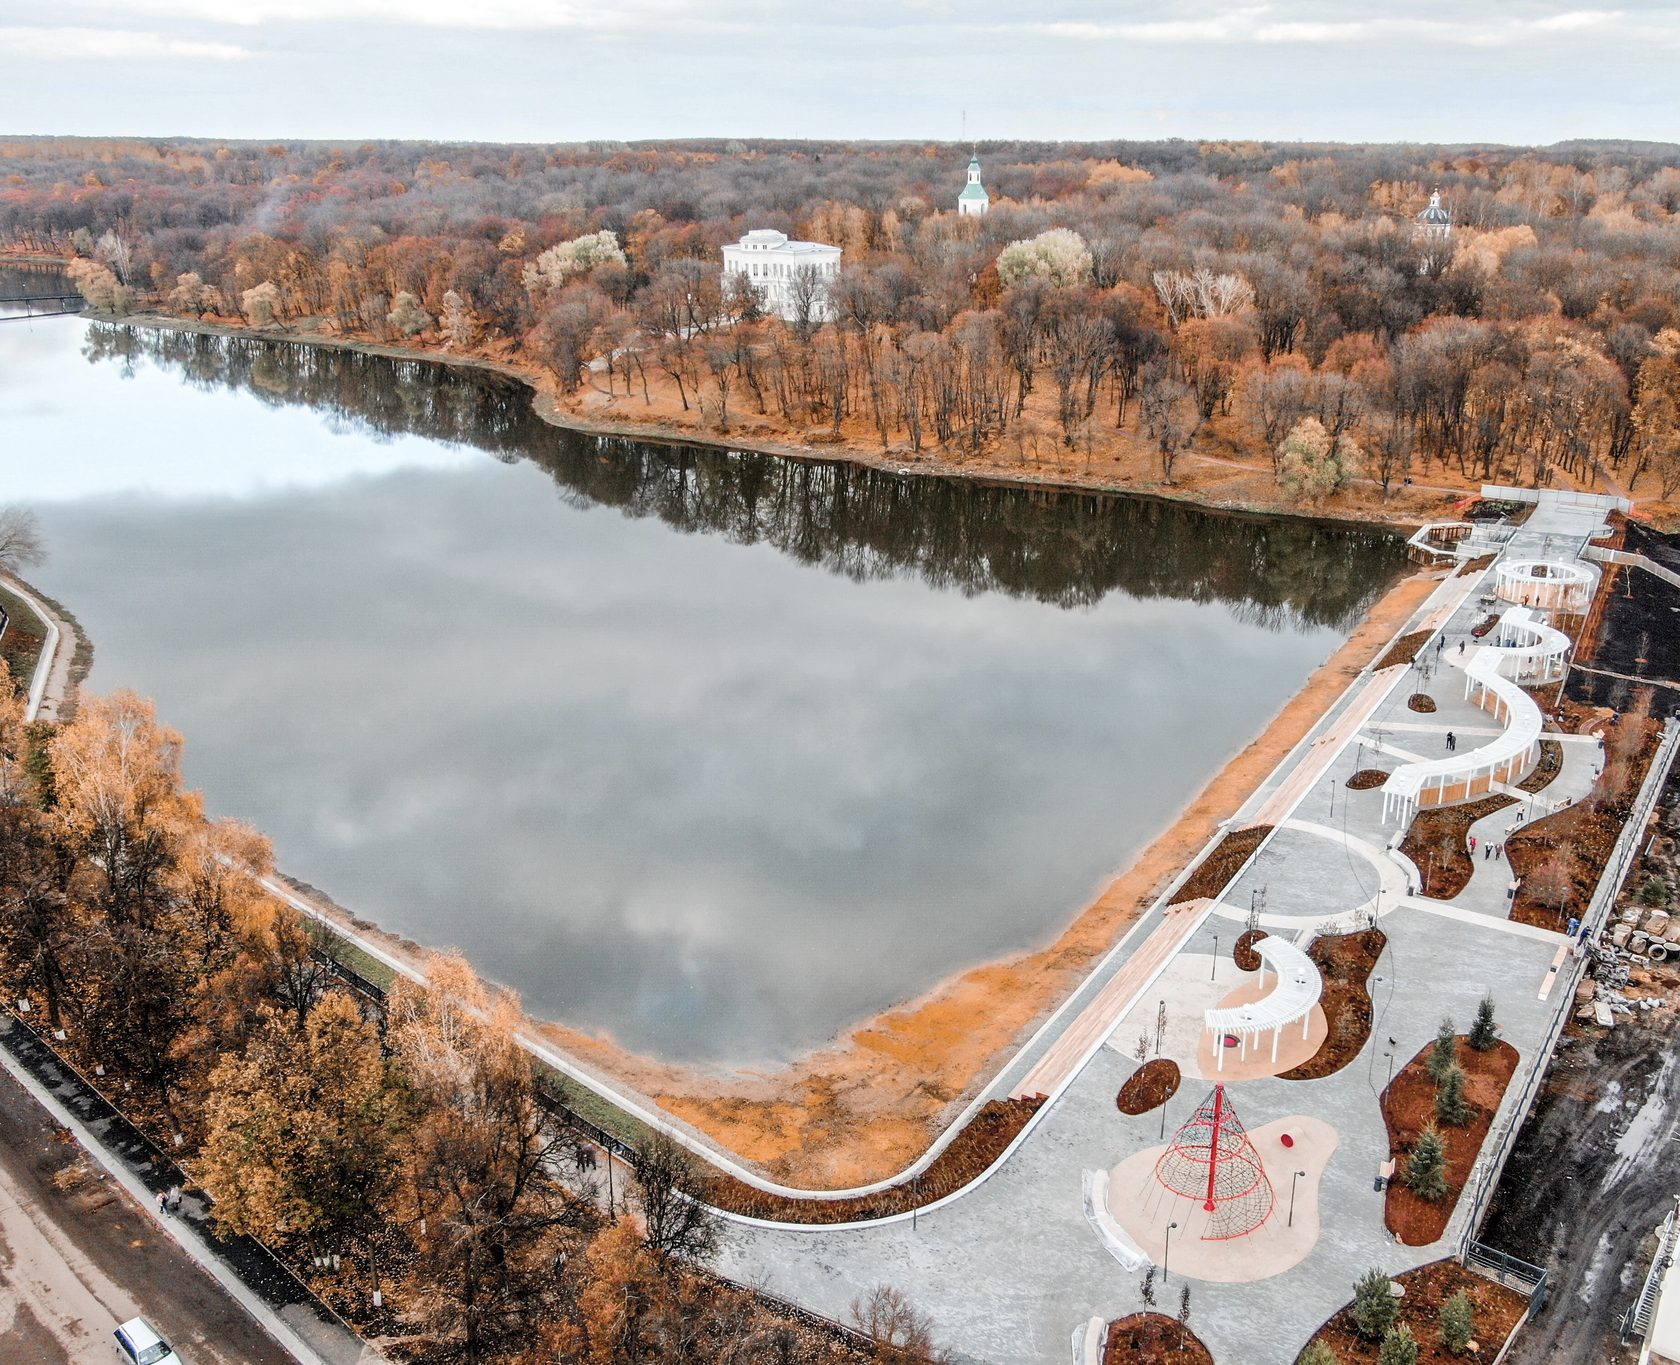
<point x="1374" y="1309"/>
<point x="1426" y="1168"/>
<point x="1317" y="1353"/>
<point x="1399" y="1347"/>
<point x="1458" y="1323"/>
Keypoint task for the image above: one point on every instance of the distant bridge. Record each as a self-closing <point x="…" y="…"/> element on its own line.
<point x="54" y="305"/>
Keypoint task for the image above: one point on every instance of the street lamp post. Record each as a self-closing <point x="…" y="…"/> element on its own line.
<point x="1166" y="1254"/>
<point x="1292" y="1180"/>
<point x="1215" y="968"/>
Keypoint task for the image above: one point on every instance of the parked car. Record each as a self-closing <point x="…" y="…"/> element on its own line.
<point x="139" y="1344"/>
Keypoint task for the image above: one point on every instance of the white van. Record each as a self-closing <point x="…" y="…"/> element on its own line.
<point x="139" y="1344"/>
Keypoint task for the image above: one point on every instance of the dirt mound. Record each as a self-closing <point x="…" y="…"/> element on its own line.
<point x="1366" y="778"/>
<point x="1421" y="701"/>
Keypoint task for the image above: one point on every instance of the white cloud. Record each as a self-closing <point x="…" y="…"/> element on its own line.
<point x="590" y="16"/>
<point x="97" y="44"/>
<point x="1268" y="24"/>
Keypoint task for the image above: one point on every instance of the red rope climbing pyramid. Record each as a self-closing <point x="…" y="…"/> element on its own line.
<point x="1212" y="1160"/>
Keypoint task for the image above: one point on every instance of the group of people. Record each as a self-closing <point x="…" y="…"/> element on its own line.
<point x="1489" y="849"/>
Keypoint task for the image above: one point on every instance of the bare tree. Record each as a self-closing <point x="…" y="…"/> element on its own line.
<point x="677" y="1224"/>
<point x="900" y="1333"/>
<point x="20" y="539"/>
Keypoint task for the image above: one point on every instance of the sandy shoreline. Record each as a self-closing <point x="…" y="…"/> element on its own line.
<point x="865" y="1106"/>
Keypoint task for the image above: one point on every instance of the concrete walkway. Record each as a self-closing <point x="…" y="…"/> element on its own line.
<point x="1010" y="1270"/>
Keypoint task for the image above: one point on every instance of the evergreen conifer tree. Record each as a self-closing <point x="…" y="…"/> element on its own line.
<point x="1450" y="1105"/>
<point x="1399" y="1347"/>
<point x="1443" y="1052"/>
<point x="1374" y="1310"/>
<point x="1484" y="1033"/>
<point x="1426" y="1168"/>
<point x="1458" y="1323"/>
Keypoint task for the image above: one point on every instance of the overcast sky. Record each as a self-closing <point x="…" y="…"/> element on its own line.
<point x="1528" y="71"/>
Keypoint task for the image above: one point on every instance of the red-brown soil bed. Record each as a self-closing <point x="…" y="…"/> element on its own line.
<point x="1215" y="871"/>
<point x="1346" y="962"/>
<point x="1149" y="1087"/>
<point x="1498" y="1310"/>
<point x="1546" y="770"/>
<point x="1409" y="1108"/>
<point x="971" y="1152"/>
<point x="1366" y="778"/>
<point x="1243" y="954"/>
<point x="1421" y="701"/>
<point x="1588" y="829"/>
<point x="1405" y="649"/>
<point x="1153" y="1339"/>
<point x="1436" y="842"/>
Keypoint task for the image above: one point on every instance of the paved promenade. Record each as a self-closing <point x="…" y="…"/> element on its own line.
<point x="1012" y="1268"/>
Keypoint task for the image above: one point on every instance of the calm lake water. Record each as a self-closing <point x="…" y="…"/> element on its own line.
<point x="716" y="753"/>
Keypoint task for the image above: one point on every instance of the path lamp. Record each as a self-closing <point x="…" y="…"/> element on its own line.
<point x="1166" y="1254"/>
<point x="1215" y="968"/>
<point x="1292" y="1180"/>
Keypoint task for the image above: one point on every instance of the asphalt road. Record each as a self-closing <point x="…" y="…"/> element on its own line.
<point x="77" y="1258"/>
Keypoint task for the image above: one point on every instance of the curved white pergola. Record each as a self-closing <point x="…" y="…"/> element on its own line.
<point x="1475" y="772"/>
<point x="1549" y="584"/>
<point x="1529" y="651"/>
<point x="1299" y="986"/>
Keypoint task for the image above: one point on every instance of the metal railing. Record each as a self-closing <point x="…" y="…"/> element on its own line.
<point x="1637" y="1319"/>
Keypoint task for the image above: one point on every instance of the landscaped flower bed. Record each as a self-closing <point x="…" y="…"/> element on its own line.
<point x="1409" y="1108"/>
<point x="1153" y="1339"/>
<point x="1498" y="1310"/>
<point x="1149" y="1087"/>
<point x="1346" y="962"/>
<point x="1367" y="778"/>
<point x="1215" y="871"/>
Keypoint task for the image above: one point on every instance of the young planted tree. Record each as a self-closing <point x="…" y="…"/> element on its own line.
<point x="1317" y="1353"/>
<point x="1399" y="1347"/>
<point x="1374" y="1310"/>
<point x="1443" y="1052"/>
<point x="1426" y="1168"/>
<point x="1484" y="1032"/>
<point x="1458" y="1323"/>
<point x="1450" y="1105"/>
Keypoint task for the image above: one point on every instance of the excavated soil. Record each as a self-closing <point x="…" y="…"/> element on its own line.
<point x="1346" y="962"/>
<point x="1498" y="1310"/>
<point x="1409" y="1108"/>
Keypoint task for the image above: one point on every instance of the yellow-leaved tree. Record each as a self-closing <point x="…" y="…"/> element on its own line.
<point x="301" y="1131"/>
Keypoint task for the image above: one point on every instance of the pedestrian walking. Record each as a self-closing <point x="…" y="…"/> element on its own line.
<point x="1487" y="851"/>
<point x="1452" y="741"/>
<point x="1440" y="643"/>
<point x="1461" y="646"/>
<point x="163" y="1201"/>
<point x="1499" y="850"/>
<point x="174" y="1198"/>
<point x="1472" y="843"/>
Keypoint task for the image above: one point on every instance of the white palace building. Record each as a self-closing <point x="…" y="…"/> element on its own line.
<point x="773" y="263"/>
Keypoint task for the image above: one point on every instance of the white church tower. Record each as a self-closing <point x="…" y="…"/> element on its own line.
<point x="973" y="201"/>
<point x="1434" y="231"/>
